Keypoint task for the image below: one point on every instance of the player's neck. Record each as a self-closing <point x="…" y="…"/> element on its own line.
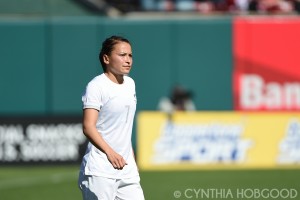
<point x="116" y="78"/>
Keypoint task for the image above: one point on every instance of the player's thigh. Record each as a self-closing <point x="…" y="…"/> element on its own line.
<point x="130" y="189"/>
<point x="97" y="188"/>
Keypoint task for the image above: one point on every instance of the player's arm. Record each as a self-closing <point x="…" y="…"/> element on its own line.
<point x="90" y="117"/>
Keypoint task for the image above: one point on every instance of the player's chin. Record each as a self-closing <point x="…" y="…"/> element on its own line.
<point x="126" y="70"/>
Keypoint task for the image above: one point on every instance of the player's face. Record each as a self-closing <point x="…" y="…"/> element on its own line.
<point x="119" y="62"/>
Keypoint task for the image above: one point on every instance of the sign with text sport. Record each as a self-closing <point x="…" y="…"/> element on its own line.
<point x="218" y="140"/>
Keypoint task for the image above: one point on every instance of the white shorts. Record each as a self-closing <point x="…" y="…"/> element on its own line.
<point x="101" y="188"/>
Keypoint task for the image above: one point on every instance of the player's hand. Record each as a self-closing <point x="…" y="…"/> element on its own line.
<point x="116" y="160"/>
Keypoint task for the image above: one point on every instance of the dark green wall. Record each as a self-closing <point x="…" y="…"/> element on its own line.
<point x="22" y="67"/>
<point x="46" y="63"/>
<point x="204" y="61"/>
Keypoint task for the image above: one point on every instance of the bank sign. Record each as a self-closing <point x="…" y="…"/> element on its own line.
<point x="266" y="63"/>
<point x="41" y="140"/>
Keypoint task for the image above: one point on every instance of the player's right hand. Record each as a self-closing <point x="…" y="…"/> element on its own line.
<point x="116" y="160"/>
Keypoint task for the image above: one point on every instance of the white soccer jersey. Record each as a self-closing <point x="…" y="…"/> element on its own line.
<point x="116" y="104"/>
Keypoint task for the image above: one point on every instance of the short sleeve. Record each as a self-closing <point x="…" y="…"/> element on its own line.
<point x="92" y="97"/>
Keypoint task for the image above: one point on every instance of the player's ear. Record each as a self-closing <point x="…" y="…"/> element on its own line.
<point x="105" y="59"/>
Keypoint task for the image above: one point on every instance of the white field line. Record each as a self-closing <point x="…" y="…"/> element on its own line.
<point x="35" y="180"/>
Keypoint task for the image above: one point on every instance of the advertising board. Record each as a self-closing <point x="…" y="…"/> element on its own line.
<point x="41" y="140"/>
<point x="210" y="140"/>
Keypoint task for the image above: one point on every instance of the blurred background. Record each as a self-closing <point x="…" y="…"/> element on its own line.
<point x="218" y="89"/>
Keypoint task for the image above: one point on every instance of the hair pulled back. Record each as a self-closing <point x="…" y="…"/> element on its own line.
<point x="108" y="46"/>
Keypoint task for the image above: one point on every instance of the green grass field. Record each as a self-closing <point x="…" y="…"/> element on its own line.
<point x="60" y="183"/>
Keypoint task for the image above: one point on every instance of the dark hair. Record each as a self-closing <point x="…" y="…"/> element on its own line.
<point x="108" y="46"/>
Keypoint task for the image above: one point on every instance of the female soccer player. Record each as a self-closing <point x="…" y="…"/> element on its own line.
<point x="108" y="170"/>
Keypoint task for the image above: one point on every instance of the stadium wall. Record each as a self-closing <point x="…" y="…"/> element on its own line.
<point x="46" y="63"/>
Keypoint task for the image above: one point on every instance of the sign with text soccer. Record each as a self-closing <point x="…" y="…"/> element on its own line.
<point x="266" y="63"/>
<point x="211" y="140"/>
<point x="30" y="140"/>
